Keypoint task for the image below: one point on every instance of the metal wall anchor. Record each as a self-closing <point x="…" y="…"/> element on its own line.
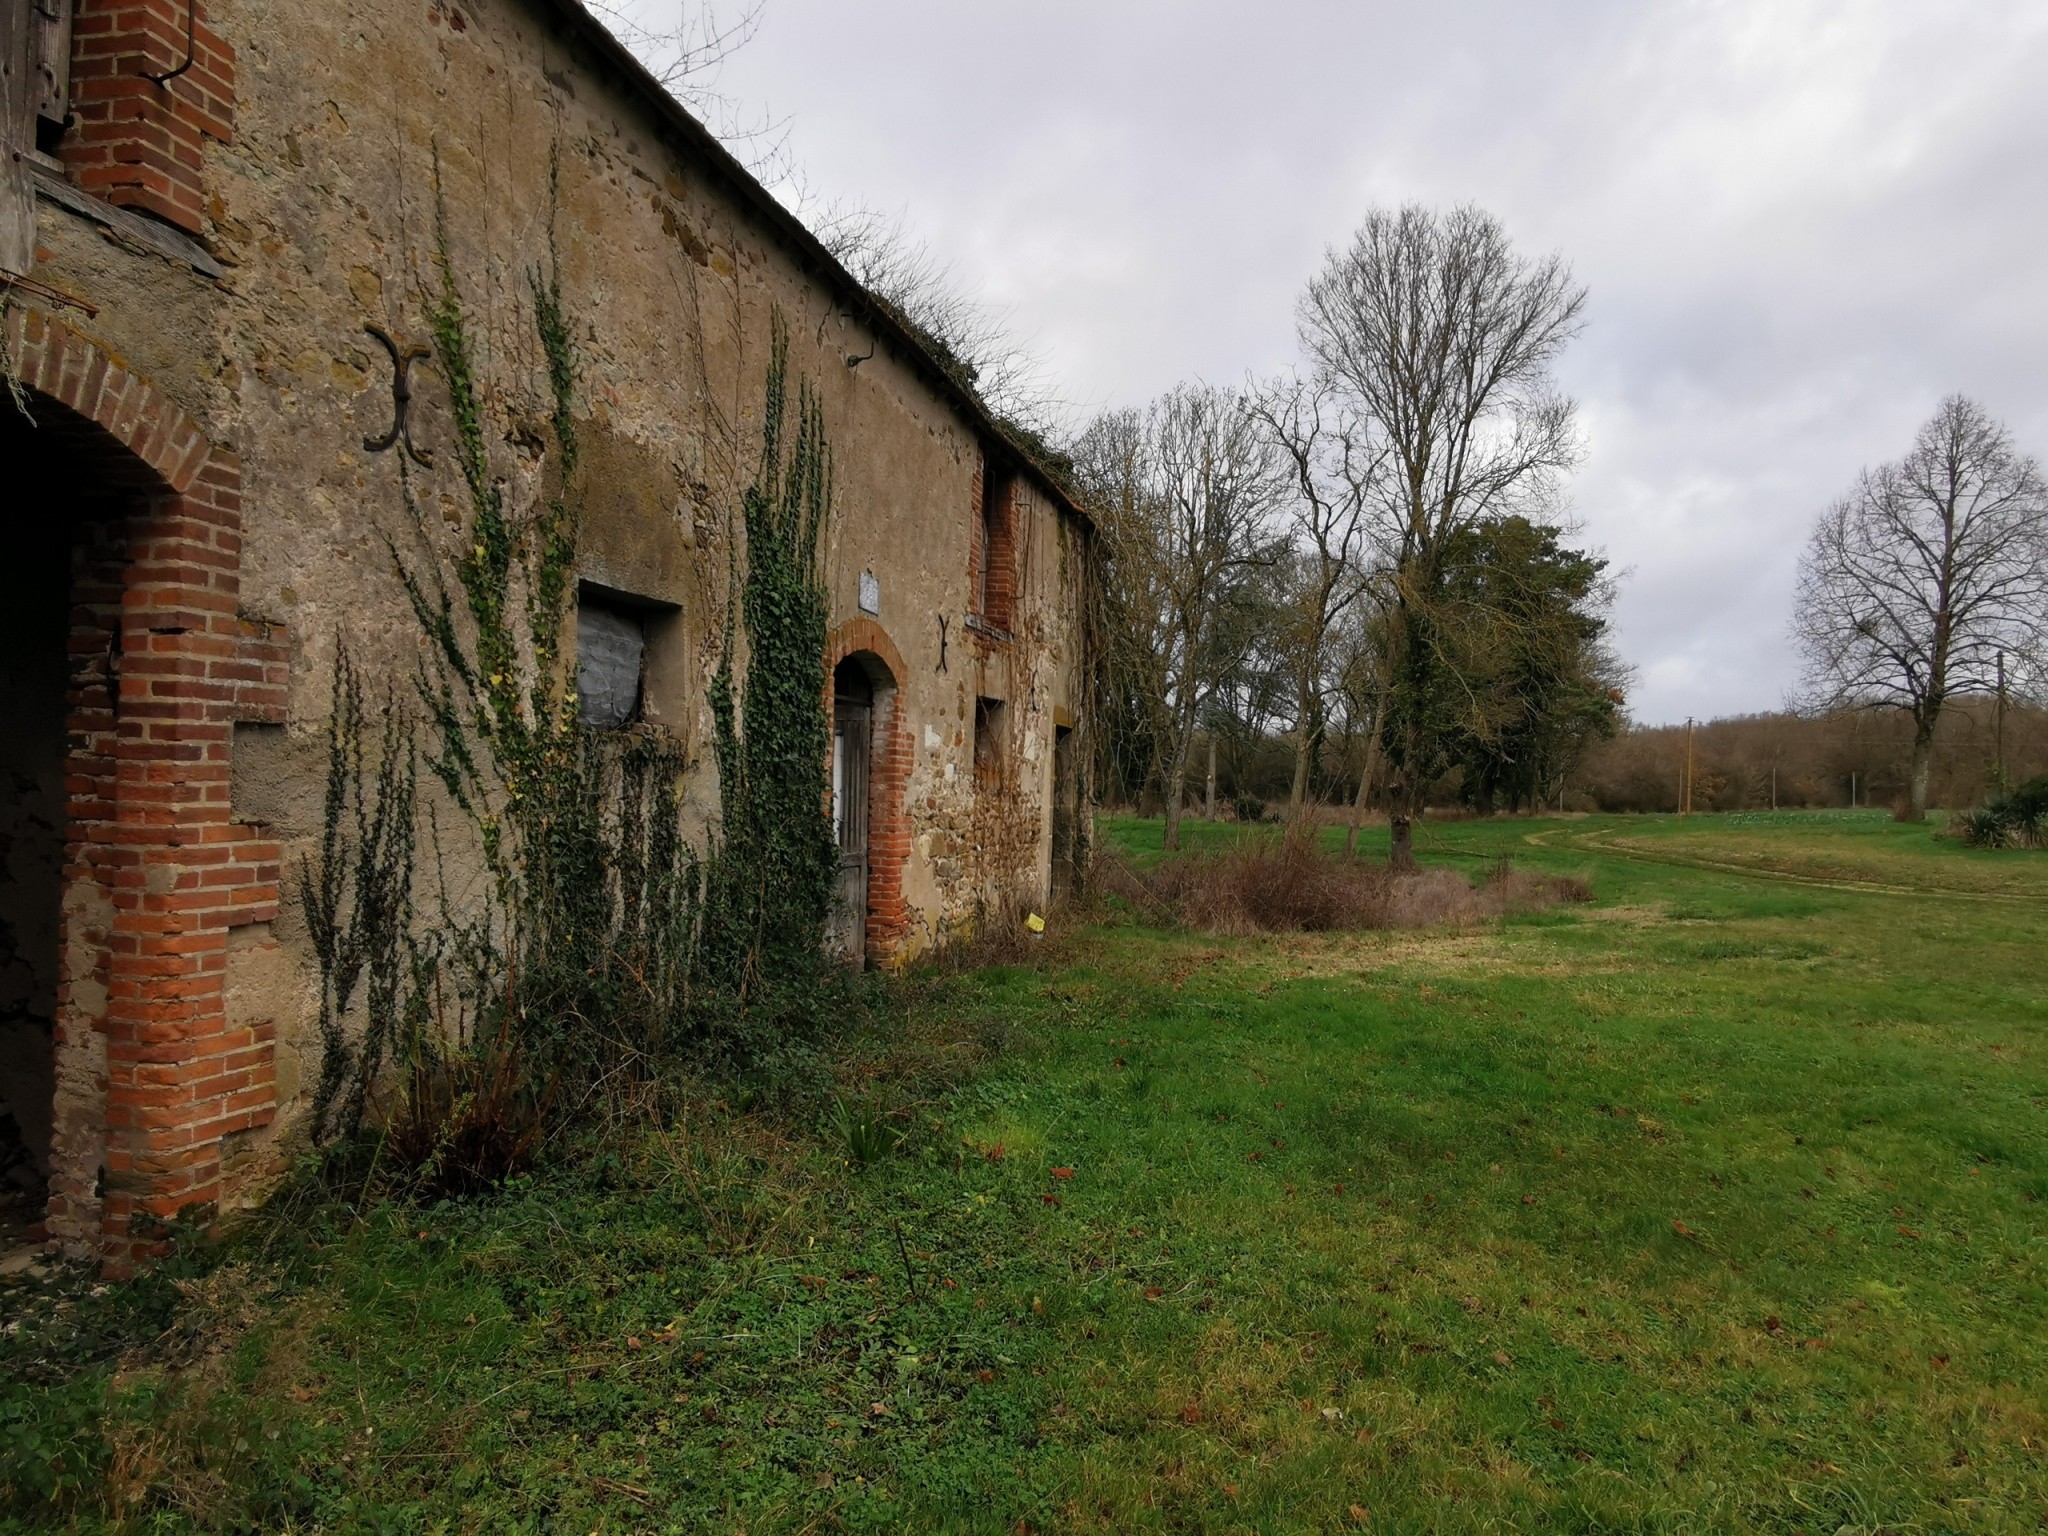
<point x="402" y="359"/>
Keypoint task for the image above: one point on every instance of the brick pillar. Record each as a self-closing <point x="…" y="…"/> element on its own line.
<point x="889" y="828"/>
<point x="136" y="142"/>
<point x="184" y="872"/>
<point x="157" y="872"/>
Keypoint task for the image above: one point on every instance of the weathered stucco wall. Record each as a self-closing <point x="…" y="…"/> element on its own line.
<point x="379" y="146"/>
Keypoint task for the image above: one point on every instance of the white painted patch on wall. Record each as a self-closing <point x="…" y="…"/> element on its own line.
<point x="933" y="741"/>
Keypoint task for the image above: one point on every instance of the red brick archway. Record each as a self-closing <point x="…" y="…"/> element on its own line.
<point x="888" y="781"/>
<point x="156" y="870"/>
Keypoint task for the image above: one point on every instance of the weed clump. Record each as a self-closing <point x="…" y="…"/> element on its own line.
<point x="1286" y="884"/>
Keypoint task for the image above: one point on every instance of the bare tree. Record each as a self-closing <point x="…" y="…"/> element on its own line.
<point x="1184" y="490"/>
<point x="1917" y="580"/>
<point x="1218" y="481"/>
<point x="1130" y="611"/>
<point x="1334" y="463"/>
<point x="1441" y="339"/>
<point x="1009" y="372"/>
<point x="1360" y="646"/>
<point x="685" y="45"/>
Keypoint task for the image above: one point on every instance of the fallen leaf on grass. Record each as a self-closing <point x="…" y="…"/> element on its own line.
<point x="1909" y="1232"/>
<point x="1191" y="1413"/>
<point x="1359" y="1515"/>
<point x="1682" y="1229"/>
<point x="1153" y="1293"/>
<point x="1063" y="1173"/>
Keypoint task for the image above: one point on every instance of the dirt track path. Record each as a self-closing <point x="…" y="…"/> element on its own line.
<point x="1596" y="841"/>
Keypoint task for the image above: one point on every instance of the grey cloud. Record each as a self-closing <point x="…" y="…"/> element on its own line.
<point x="1802" y="223"/>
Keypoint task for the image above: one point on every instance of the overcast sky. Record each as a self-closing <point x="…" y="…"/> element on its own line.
<point x="1802" y="223"/>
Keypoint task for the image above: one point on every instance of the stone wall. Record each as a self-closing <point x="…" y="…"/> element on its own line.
<point x="369" y="152"/>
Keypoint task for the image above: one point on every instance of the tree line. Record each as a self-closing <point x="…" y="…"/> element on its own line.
<point x="1366" y="560"/>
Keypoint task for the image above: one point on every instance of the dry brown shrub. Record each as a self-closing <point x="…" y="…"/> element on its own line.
<point x="1286" y="884"/>
<point x="469" y="1122"/>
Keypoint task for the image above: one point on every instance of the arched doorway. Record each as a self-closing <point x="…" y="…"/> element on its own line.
<point x="76" y="496"/>
<point x="870" y="771"/>
<point x="129" y="664"/>
<point x="853" y="720"/>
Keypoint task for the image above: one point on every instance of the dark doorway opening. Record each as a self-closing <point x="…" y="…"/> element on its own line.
<point x="49" y="502"/>
<point x="853" y="721"/>
<point x="1066" y="799"/>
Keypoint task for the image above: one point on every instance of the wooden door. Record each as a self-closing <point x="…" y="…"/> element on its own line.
<point x="852" y="724"/>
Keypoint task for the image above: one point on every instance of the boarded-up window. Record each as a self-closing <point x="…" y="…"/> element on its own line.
<point x="611" y="643"/>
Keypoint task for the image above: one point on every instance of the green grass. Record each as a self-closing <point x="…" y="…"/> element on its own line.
<point x="1714" y="1206"/>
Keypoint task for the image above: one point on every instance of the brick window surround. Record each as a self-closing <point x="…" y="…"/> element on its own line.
<point x="135" y="140"/>
<point x="992" y="561"/>
<point x="157" y="872"/>
<point x="888" y="781"/>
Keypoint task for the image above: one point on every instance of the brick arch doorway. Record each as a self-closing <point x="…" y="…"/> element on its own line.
<point x="870" y="771"/>
<point x="126" y="669"/>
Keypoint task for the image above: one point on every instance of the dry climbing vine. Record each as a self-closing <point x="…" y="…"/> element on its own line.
<point x="603" y="946"/>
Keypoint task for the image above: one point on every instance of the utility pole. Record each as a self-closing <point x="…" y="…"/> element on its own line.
<point x="1998" y="732"/>
<point x="1685" y="779"/>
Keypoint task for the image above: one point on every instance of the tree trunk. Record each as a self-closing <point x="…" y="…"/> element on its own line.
<point x="1210" y="802"/>
<point x="1176" y="791"/>
<point x="1923" y="760"/>
<point x="1177" y="785"/>
<point x="1401" y="844"/>
<point x="1297" y="794"/>
<point x="1365" y="776"/>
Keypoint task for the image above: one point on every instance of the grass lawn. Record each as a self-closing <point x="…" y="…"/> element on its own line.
<point x="1715" y="1205"/>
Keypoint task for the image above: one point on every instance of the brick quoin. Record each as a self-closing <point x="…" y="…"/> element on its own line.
<point x="135" y="142"/>
<point x="891" y="758"/>
<point x="157" y="872"/>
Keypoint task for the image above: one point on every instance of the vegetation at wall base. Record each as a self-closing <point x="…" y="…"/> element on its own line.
<point x="1713" y="1204"/>
<point x="457" y="1025"/>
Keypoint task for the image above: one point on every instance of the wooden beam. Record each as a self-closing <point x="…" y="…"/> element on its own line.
<point x="18" y="93"/>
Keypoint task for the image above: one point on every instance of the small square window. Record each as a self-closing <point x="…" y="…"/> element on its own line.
<point x="611" y="645"/>
<point x="988" y="743"/>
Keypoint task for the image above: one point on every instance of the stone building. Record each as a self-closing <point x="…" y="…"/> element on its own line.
<point x="223" y="228"/>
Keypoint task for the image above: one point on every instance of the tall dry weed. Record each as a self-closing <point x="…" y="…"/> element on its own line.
<point x="1286" y="884"/>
